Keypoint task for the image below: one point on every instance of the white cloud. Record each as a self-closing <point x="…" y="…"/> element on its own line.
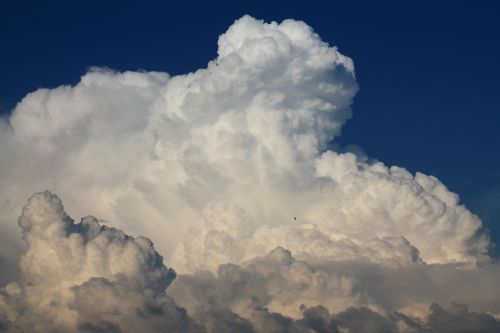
<point x="88" y="277"/>
<point x="228" y="171"/>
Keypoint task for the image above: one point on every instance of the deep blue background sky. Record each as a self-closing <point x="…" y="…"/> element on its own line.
<point x="429" y="72"/>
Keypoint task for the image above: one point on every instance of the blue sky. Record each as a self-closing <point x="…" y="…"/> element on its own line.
<point x="428" y="73"/>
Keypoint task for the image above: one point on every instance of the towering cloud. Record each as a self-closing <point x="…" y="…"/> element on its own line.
<point x="229" y="171"/>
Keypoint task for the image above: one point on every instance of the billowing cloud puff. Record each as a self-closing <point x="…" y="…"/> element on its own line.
<point x="87" y="277"/>
<point x="229" y="171"/>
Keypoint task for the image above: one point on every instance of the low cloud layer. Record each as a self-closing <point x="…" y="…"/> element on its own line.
<point x="84" y="277"/>
<point x="228" y="170"/>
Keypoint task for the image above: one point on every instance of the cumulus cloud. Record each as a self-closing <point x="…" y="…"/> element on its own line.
<point x="86" y="277"/>
<point x="230" y="171"/>
<point x="282" y="284"/>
